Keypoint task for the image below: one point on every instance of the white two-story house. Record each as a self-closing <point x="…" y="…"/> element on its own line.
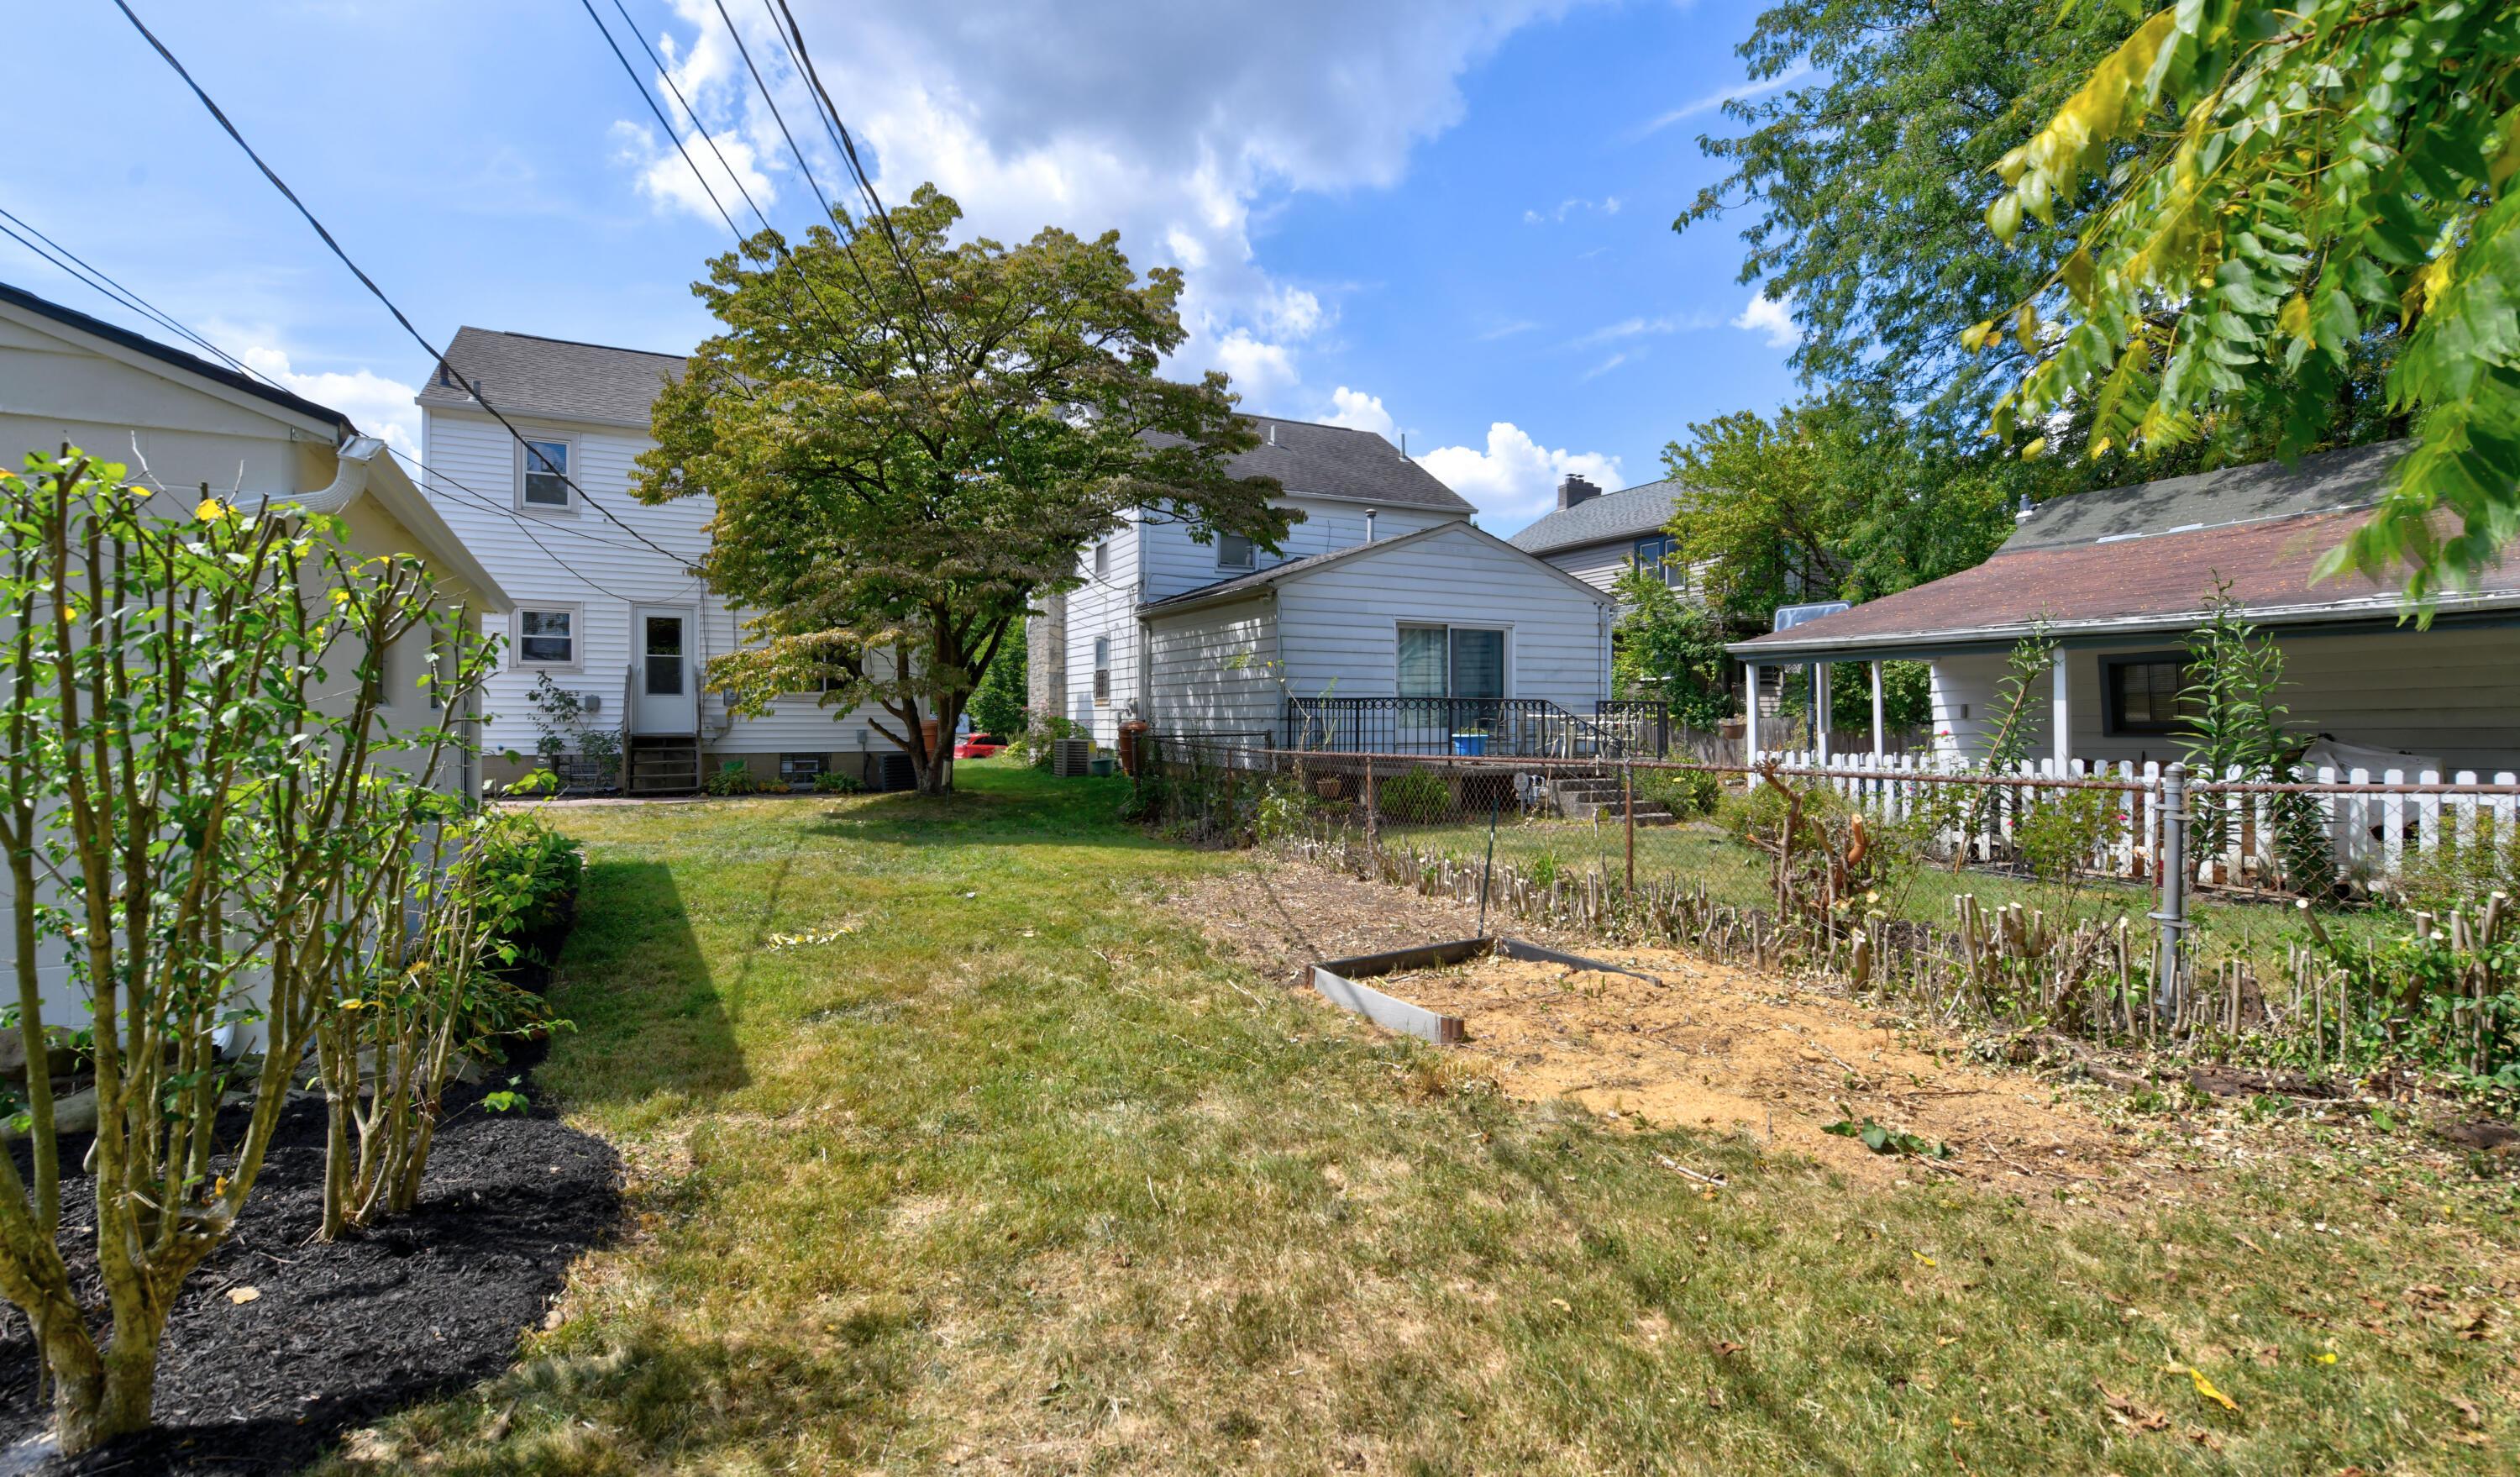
<point x="619" y="617"/>
<point x="1389" y="621"/>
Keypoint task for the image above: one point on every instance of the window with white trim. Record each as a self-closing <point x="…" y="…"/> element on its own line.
<point x="1452" y="661"/>
<point x="547" y="635"/>
<point x="1232" y="551"/>
<point x="1656" y="555"/>
<point x="1102" y="559"/>
<point x="543" y="472"/>
<point x="1102" y="669"/>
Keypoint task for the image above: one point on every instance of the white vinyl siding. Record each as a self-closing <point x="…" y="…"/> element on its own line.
<point x="1208" y="670"/>
<point x="1340" y="628"/>
<point x="587" y="564"/>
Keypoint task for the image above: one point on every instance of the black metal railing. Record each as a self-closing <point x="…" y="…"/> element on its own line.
<point x="1515" y="727"/>
<point x="1643" y="724"/>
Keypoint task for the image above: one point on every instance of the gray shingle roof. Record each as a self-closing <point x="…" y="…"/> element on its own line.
<point x="1335" y="462"/>
<point x="526" y="375"/>
<point x="1631" y="513"/>
<point x="2323" y="482"/>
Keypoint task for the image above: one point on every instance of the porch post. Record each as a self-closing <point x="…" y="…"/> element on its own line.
<point x="1876" y="710"/>
<point x="1750" y="715"/>
<point x="1820" y="710"/>
<point x="2061" y="738"/>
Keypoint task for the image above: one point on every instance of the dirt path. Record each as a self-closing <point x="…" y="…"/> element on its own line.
<point x="1701" y="1045"/>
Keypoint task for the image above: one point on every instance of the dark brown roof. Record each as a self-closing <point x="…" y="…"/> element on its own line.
<point x="2157" y="583"/>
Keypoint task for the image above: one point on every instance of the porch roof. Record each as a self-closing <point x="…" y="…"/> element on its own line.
<point x="2146" y="560"/>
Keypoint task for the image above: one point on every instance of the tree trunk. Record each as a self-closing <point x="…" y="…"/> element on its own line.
<point x="110" y="1399"/>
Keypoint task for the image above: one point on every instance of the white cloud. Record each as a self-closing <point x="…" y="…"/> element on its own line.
<point x="1602" y="368"/>
<point x="1514" y="479"/>
<point x="1634" y="327"/>
<point x="1507" y="330"/>
<point x="1714" y="100"/>
<point x="1771" y="317"/>
<point x="668" y="182"/>
<point x="377" y="405"/>
<point x="1356" y="409"/>
<point x="1608" y="205"/>
<point x="1176" y="124"/>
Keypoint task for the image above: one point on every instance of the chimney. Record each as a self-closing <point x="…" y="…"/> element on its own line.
<point x="1273" y="435"/>
<point x="1574" y="490"/>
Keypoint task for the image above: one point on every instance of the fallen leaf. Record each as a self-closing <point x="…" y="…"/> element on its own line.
<point x="1714" y="1398"/>
<point x="2131" y="1414"/>
<point x="242" y="1295"/>
<point x="2205" y="1387"/>
<point x="2467" y="1411"/>
<point x="1561" y="1305"/>
<point x="2327" y="1357"/>
<point x="1921" y="1257"/>
<point x="1727" y="1346"/>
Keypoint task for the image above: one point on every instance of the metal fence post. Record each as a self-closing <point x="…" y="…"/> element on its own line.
<point x="1371" y="855"/>
<point x="2173" y="913"/>
<point x="1628" y="796"/>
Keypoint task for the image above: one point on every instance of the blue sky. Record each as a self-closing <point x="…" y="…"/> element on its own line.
<point x="1445" y="219"/>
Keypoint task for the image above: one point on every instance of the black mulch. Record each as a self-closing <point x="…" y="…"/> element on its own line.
<point x="342" y="1334"/>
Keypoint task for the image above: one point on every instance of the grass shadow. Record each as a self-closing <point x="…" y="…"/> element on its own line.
<point x="649" y="1015"/>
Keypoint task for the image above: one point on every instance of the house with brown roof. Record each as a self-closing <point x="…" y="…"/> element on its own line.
<point x="2121" y="576"/>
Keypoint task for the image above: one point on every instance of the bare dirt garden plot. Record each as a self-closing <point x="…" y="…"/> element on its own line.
<point x="1720" y="1049"/>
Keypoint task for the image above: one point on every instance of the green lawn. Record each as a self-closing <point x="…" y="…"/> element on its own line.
<point x="1014" y="1175"/>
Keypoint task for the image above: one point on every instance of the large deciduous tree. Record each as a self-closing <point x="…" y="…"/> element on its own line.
<point x="2263" y="188"/>
<point x="909" y="438"/>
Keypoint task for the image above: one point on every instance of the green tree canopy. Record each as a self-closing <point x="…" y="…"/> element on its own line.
<point x="908" y="438"/>
<point x="2275" y="185"/>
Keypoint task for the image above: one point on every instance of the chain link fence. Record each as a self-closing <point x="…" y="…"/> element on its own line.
<point x="2112" y="904"/>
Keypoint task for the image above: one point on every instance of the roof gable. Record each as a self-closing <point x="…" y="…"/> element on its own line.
<point x="1630" y="512"/>
<point x="138" y="347"/>
<point x="1242" y="586"/>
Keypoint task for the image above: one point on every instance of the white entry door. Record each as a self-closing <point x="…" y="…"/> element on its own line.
<point x="668" y="680"/>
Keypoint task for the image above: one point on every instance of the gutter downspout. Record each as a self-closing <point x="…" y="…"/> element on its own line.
<point x="357" y="456"/>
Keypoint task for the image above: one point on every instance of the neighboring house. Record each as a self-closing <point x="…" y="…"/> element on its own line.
<point x="2122" y="576"/>
<point x="66" y="378"/>
<point x="628" y="628"/>
<point x="1384" y="591"/>
<point x="1597" y="536"/>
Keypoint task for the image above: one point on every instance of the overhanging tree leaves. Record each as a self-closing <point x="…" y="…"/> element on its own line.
<point x="906" y="448"/>
<point x="2330" y="167"/>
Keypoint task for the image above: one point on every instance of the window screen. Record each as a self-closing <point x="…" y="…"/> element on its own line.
<point x="2143" y="694"/>
<point x="1424" y="661"/>
<point x="546" y="474"/>
<point x="1232" y="551"/>
<point x="545" y="636"/>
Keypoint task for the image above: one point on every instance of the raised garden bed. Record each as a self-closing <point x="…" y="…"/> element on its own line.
<point x="1340" y="981"/>
<point x="337" y="1335"/>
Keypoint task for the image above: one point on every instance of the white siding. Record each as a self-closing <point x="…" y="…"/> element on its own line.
<point x="1340" y="628"/>
<point x="1174" y="562"/>
<point x="1209" y="671"/>
<point x="584" y="560"/>
<point x="1596" y="565"/>
<point x="1105" y="605"/>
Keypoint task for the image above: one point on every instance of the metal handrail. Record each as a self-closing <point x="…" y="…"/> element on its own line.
<point x="1509" y="727"/>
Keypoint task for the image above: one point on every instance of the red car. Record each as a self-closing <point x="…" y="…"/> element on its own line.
<point x="976" y="746"/>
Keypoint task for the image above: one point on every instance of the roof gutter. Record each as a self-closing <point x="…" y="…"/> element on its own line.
<point x="2364" y="608"/>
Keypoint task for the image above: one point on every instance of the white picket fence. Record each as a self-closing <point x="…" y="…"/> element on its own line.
<point x="2372" y="830"/>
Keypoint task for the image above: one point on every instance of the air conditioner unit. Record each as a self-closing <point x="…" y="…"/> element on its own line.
<point x="1071" y="758"/>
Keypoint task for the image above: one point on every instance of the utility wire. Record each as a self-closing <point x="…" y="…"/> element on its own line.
<point x="672" y="132"/>
<point x="794" y="36"/>
<point x="693" y="114"/>
<point x="105" y="284"/>
<point x="444" y="367"/>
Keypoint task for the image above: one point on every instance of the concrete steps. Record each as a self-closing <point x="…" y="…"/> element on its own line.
<point x="1584" y="797"/>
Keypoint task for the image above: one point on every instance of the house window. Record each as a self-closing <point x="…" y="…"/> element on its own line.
<point x="800" y="769"/>
<point x="2140" y="694"/>
<point x="1102" y="559"/>
<point x="1452" y="661"/>
<point x="542" y="467"/>
<point x="1657" y="553"/>
<point x="547" y="638"/>
<point x="1101" y="670"/>
<point x="1232" y="551"/>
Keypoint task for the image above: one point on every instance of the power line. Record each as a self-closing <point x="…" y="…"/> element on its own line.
<point x="444" y="367"/>
<point x="794" y="36"/>
<point x="672" y="132"/>
<point x="103" y="283"/>
<point x="688" y="111"/>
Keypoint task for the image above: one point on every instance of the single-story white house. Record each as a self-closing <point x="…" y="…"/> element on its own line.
<point x="1388" y="622"/>
<point x="2121" y="578"/>
<point x="68" y="378"/>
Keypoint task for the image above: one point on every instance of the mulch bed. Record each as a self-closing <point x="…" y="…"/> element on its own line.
<point x="341" y="1334"/>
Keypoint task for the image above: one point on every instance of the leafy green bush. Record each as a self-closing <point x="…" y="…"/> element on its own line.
<point x="1414" y="797"/>
<point x="1686" y="792"/>
<point x="2060" y="837"/>
<point x="516" y="855"/>
<point x="532" y="782"/>
<point x="832" y="782"/>
<point x="734" y="778"/>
